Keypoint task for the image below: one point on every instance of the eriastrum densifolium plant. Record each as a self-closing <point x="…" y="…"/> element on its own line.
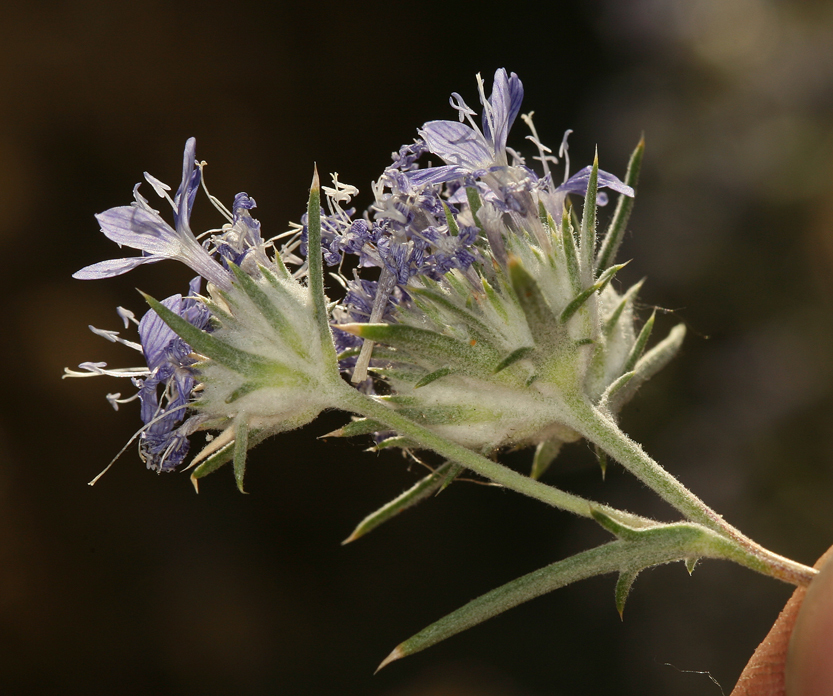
<point x="493" y="321"/>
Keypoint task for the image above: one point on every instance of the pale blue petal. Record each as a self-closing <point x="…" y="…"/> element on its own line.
<point x="456" y="143"/>
<point x="113" y="267"/>
<point x="139" y="228"/>
<point x="578" y="183"/>
<point x="184" y="199"/>
<point x="505" y="101"/>
<point x="435" y="175"/>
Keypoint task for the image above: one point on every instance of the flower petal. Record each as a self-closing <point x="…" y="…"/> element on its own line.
<point x="457" y="144"/>
<point x="577" y="183"/>
<point x="139" y="228"/>
<point x="504" y="104"/>
<point x="113" y="267"/>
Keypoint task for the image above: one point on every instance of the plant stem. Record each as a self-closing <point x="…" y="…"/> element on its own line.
<point x="369" y="407"/>
<point x="601" y="430"/>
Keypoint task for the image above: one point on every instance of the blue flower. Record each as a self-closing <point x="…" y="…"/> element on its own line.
<point x="165" y="385"/>
<point x="578" y="184"/>
<point x="242" y="239"/>
<point x="141" y="227"/>
<point x="471" y="153"/>
<point x="467" y="149"/>
<point x="166" y="393"/>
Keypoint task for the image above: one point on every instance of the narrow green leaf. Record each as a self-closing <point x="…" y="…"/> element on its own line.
<point x="648" y="365"/>
<point x="614" y="387"/>
<point x="568" y="242"/>
<point x="624" y="206"/>
<point x="424" y="488"/>
<point x="395" y="441"/>
<point x="220" y="458"/>
<point x="574" y="219"/>
<point x="315" y="274"/>
<point x="495" y="300"/>
<point x="628" y="297"/>
<point x="545" y="454"/>
<point x="428" y="312"/>
<point x="623" y="588"/>
<point x="479" y="330"/>
<point x="458" y="282"/>
<point x="474" y="204"/>
<point x="233" y="358"/>
<point x="220" y="315"/>
<point x="452" y="474"/>
<point x="379" y="353"/>
<point x="639" y="344"/>
<point x="659" y="544"/>
<point x="584" y="295"/>
<point x="435" y="375"/>
<point x="543" y="215"/>
<point x="401" y="372"/>
<point x="513" y="357"/>
<point x="587" y="246"/>
<point x="241" y="447"/>
<point x="359" y="426"/>
<point x="450" y="221"/>
<point x="278" y="284"/>
<point x="268" y="309"/>
<point x="469" y="357"/>
<point x="282" y="269"/>
<point x="225" y="454"/>
<point x="598" y="561"/>
<point x="601" y="457"/>
<point x="539" y="314"/>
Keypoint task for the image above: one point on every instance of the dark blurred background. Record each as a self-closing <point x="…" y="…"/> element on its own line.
<point x="139" y="586"/>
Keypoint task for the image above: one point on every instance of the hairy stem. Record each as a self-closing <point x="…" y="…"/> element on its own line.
<point x="601" y="430"/>
<point x="371" y="408"/>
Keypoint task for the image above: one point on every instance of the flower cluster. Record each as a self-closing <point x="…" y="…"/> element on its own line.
<point x="493" y="301"/>
<point x="489" y="309"/>
<point x="198" y="374"/>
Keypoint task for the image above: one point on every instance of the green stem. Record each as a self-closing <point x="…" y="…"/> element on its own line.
<point x="601" y="430"/>
<point x="368" y="407"/>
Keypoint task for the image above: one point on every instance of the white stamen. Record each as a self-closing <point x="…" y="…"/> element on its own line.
<point x="96" y="369"/>
<point x="130" y="441"/>
<point x="225" y="212"/>
<point x="113" y="337"/>
<point x="387" y="281"/>
<point x="543" y="157"/>
<point x="563" y="151"/>
<point x="126" y="316"/>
